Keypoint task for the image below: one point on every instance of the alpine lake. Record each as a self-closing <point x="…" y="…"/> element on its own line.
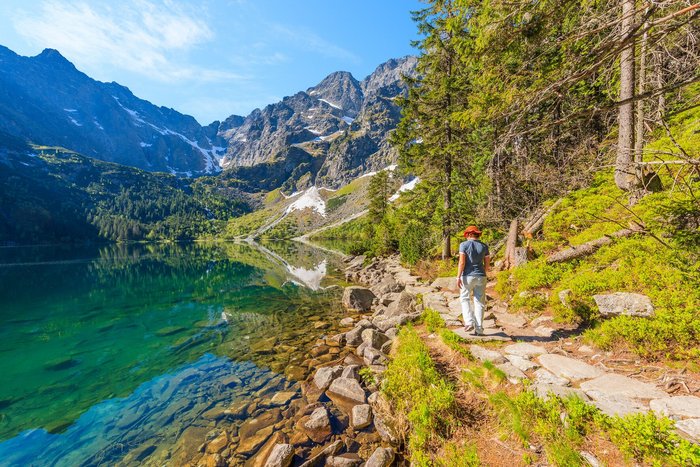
<point x="119" y="354"/>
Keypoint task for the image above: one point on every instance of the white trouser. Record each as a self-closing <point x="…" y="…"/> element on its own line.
<point x="473" y="287"/>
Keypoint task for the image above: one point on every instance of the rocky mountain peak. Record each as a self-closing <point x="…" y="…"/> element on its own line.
<point x="387" y="77"/>
<point x="339" y="90"/>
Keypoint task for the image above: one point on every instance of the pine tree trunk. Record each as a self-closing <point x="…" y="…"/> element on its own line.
<point x="447" y="205"/>
<point x="625" y="174"/>
<point x="641" y="82"/>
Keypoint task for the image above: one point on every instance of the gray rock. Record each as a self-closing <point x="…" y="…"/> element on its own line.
<point x="543" y="376"/>
<point x="544" y="331"/>
<point x="381" y="457"/>
<point x="364" y="323"/>
<point x="404" y="304"/>
<point x="349" y="389"/>
<point x="383" y="323"/>
<point x="614" y="385"/>
<point x="569" y="368"/>
<point x="361" y="416"/>
<point x="391" y="333"/>
<point x="281" y="456"/>
<point x="521" y="363"/>
<point x="320" y="458"/>
<point x="344" y="460"/>
<point x="617" y="405"/>
<point x="564" y="297"/>
<point x="374" y="338"/>
<point x="373" y="356"/>
<point x="624" y="303"/>
<point x="351" y="371"/>
<point x="318" y="419"/>
<point x="513" y="374"/>
<point x="484" y="354"/>
<point x="358" y="298"/>
<point x="388" y="285"/>
<point x="511" y="320"/>
<point x="543" y="391"/>
<point x="386" y="429"/>
<point x="525" y="350"/>
<point x="325" y="375"/>
<point x="690" y="427"/>
<point x="590" y="459"/>
<point x="677" y="407"/>
<point x="353" y="337"/>
<point x="586" y="349"/>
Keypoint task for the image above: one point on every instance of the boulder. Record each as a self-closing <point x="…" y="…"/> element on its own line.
<point x="250" y="444"/>
<point x="318" y="425"/>
<point x="373" y="356"/>
<point x="361" y="416"/>
<point x="569" y="368"/>
<point x="325" y="375"/>
<point x="353" y="337"/>
<point x="624" y="303"/>
<point x="348" y="389"/>
<point x="281" y="456"/>
<point x="403" y="305"/>
<point x="384" y="323"/>
<point x="358" y="298"/>
<point x="374" y="338"/>
<point x="381" y="457"/>
<point x="387" y="285"/>
<point x="677" y="407"/>
<point x="484" y="354"/>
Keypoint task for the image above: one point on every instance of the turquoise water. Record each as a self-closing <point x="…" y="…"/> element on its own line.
<point x="111" y="354"/>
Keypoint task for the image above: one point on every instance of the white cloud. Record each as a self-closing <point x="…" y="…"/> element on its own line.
<point x="141" y="36"/>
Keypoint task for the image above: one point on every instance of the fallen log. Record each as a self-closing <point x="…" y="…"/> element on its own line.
<point x="537" y="222"/>
<point x="588" y="248"/>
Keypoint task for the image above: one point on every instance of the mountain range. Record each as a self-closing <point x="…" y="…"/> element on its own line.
<point x="326" y="135"/>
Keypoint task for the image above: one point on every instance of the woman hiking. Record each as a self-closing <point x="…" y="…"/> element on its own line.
<point x="474" y="263"/>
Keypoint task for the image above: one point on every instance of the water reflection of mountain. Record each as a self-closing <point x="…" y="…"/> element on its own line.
<point x="84" y="325"/>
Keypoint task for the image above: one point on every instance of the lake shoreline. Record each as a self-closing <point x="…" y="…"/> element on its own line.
<point x="339" y="417"/>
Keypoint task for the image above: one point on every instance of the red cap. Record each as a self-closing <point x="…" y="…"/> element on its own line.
<point x="472" y="229"/>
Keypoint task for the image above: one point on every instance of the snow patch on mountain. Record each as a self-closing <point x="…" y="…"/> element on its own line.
<point x="408" y="186"/>
<point x="311" y="198"/>
<point x="335" y="106"/>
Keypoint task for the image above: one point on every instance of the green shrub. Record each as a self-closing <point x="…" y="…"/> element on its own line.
<point x="413" y="243"/>
<point x="432" y="319"/>
<point x="652" y="440"/>
<point x="414" y="386"/>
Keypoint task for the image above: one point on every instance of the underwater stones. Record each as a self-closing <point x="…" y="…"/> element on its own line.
<point x="280" y="456"/>
<point x="282" y="398"/>
<point x="169" y="331"/>
<point x="347" y="322"/>
<point x="218" y="444"/>
<point x="250" y="444"/>
<point x="264" y="346"/>
<point x="358" y="298"/>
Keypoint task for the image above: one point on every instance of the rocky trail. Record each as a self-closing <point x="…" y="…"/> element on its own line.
<point x="341" y="418"/>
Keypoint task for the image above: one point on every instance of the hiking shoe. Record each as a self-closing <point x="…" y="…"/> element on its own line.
<point x="468" y="328"/>
<point x="478" y="332"/>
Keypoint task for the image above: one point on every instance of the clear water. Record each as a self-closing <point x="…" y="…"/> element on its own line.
<point x="112" y="354"/>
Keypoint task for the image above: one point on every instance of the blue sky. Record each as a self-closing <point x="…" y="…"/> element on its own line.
<point x="213" y="58"/>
